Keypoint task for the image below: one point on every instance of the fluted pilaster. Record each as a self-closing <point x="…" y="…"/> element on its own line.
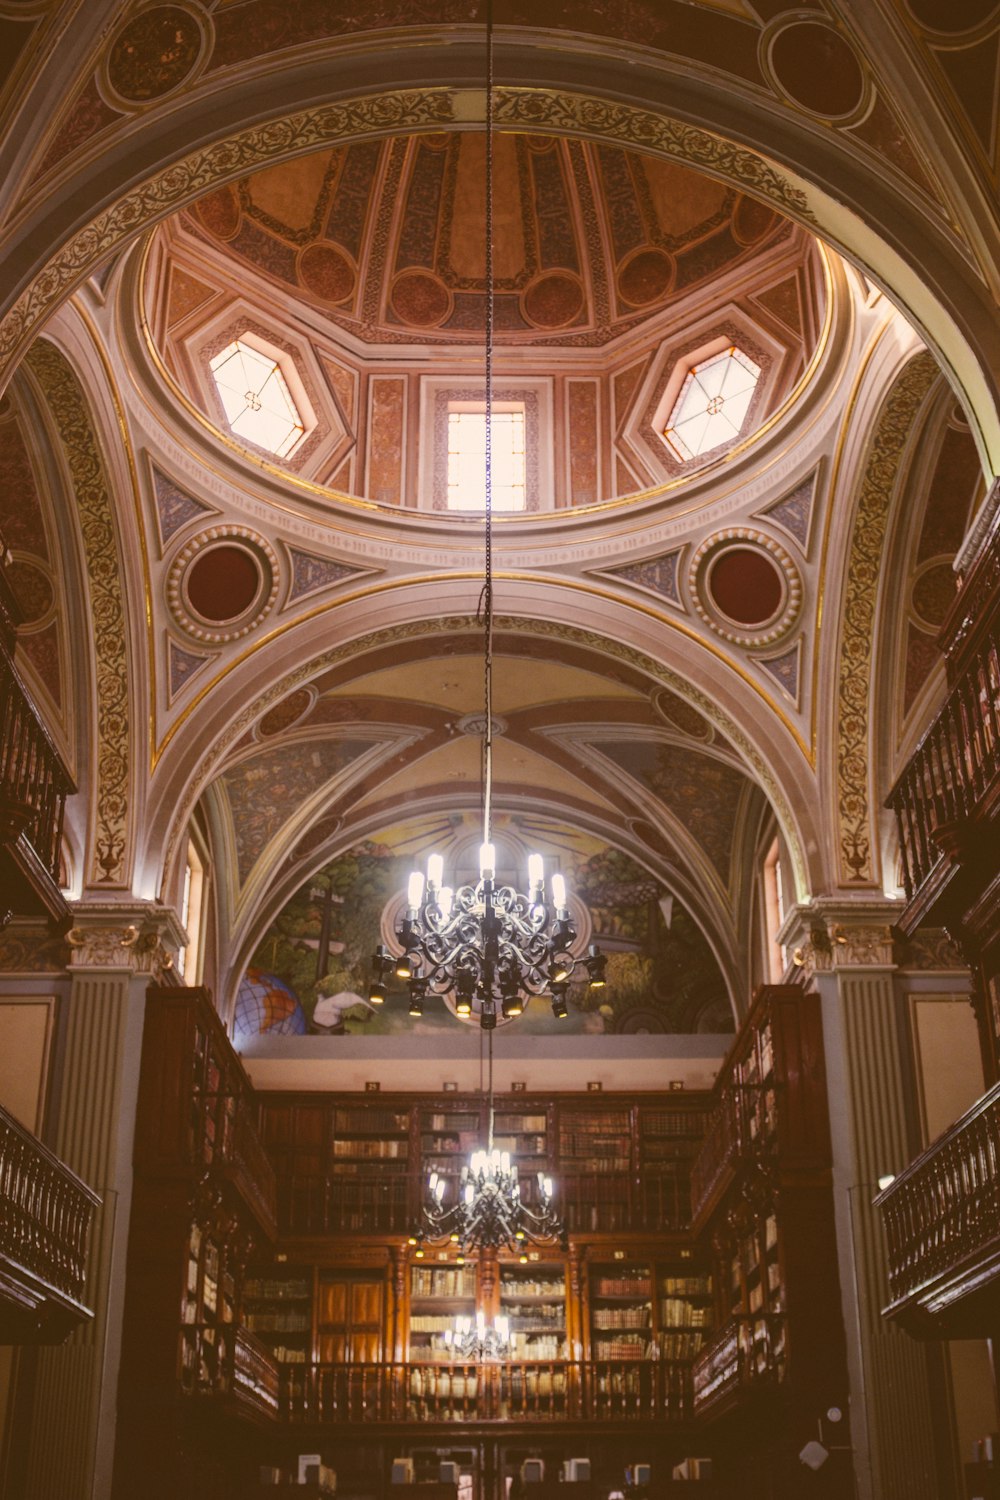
<point x="848" y="955"/>
<point x="116" y="950"/>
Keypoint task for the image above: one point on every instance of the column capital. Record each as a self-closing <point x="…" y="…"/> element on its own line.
<point x="138" y="937"/>
<point x="841" y="932"/>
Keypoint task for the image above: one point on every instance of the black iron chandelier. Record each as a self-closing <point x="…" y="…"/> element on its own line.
<point x="489" y="1211"/>
<point x="489" y="945"/>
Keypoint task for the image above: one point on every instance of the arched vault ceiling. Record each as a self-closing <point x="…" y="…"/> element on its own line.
<point x="349" y="751"/>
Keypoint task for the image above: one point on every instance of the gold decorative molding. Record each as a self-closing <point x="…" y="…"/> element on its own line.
<point x="857" y="634"/>
<point x="199" y="172"/>
<point x="547" y="112"/>
<point x="71" y="416"/>
<point x="139" y="937"/>
<point x="541" y="111"/>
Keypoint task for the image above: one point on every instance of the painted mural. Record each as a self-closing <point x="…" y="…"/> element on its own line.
<point x="311" y="969"/>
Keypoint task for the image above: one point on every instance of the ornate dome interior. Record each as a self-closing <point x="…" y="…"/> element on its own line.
<point x="362" y="270"/>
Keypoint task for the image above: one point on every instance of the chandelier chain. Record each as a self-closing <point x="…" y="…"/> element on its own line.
<point x="487" y="595"/>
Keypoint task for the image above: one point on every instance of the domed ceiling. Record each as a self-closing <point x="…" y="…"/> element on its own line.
<point x="362" y="269"/>
<point x="387" y="239"/>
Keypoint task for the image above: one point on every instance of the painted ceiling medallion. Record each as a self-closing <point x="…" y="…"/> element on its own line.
<point x="156" y="52"/>
<point x="745" y="587"/>
<point x="223" y="583"/>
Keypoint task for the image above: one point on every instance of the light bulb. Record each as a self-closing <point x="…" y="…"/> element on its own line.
<point x="505" y="1161"/>
<point x="536" y="870"/>
<point x="415" y="889"/>
<point x="470" y="1193"/>
<point x="432" y="1181"/>
<point x="548" y="1187"/>
<point x="559" y="891"/>
<point x="445" y="897"/>
<point x="503" y="1326"/>
<point x="487" y="861"/>
<point x="439" y="1189"/>
<point x="435" y="870"/>
<point x="480" y="1323"/>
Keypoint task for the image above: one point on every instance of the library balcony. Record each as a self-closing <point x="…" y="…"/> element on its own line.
<point x="45" y="1214"/>
<point x="745" y="1356"/>
<point x="949" y="792"/>
<point x="34" y="785"/>
<point x="942" y="1225"/>
<point x="511" y="1392"/>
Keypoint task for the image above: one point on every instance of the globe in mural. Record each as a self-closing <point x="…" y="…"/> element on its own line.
<point x="266" y="1003"/>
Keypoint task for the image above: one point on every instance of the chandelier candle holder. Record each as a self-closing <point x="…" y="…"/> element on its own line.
<point x="489" y="945"/>
<point x="480" y="1340"/>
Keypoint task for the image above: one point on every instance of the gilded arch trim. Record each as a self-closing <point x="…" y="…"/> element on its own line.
<point x="539" y="110"/>
<point x="855" y="814"/>
<point x="68" y="408"/>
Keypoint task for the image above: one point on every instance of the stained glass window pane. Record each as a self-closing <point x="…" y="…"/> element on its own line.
<point x="712" y="404"/>
<point x="256" y="398"/>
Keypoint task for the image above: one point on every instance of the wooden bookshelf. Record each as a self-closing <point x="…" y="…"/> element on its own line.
<point x="763" y="1205"/>
<point x="684" y="1309"/>
<point x="533" y="1297"/>
<point x="621" y="1310"/>
<point x="278" y="1310"/>
<point x="438" y="1295"/>
<point x="595" y="1166"/>
<point x="208" y="1314"/>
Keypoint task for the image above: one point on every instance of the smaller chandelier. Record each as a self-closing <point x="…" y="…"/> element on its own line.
<point x="489" y="1212"/>
<point x="490" y="945"/>
<point x="480" y="1340"/>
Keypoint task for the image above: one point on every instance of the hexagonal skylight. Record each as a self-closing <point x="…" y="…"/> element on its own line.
<point x="256" y="398"/>
<point x="713" y="404"/>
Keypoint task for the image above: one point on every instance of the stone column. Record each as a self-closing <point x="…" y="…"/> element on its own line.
<point x="117" y="949"/>
<point x="845" y="950"/>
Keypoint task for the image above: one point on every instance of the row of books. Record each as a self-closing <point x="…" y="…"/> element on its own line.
<point x="371" y="1121"/>
<point x="379" y="1150"/>
<point x="277" y="1322"/>
<point x="677" y="1312"/>
<point x="621" y="1317"/>
<point x="629" y="1284"/>
<point x="269" y="1290"/>
<point x="443" y="1281"/>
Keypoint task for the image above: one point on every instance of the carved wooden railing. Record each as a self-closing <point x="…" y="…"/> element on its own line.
<point x="954" y="771"/>
<point x="654" y="1391"/>
<point x="385" y="1202"/>
<point x="45" y="1215"/>
<point x="942" y="1216"/>
<point x="376" y="1202"/>
<point x="251" y="1168"/>
<point x="34" y="783"/>
<point x="255" y="1380"/>
<point x="747" y="1352"/>
<point x="718" y="1154"/>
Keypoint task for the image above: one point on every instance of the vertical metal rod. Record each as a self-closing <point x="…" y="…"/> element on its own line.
<point x="487" y="594"/>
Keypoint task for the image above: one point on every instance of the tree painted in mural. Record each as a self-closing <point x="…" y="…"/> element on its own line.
<point x="662" y="974"/>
